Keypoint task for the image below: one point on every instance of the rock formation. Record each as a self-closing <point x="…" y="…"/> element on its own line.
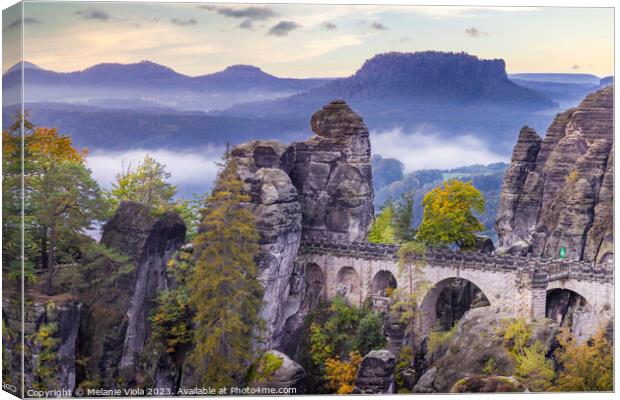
<point x="376" y="373"/>
<point x="282" y="373"/>
<point x="318" y="189"/>
<point x="487" y="384"/>
<point x="261" y="165"/>
<point x="56" y="316"/>
<point x="474" y="343"/>
<point x="306" y="286"/>
<point x="332" y="174"/>
<point x="149" y="242"/>
<point x="558" y="191"/>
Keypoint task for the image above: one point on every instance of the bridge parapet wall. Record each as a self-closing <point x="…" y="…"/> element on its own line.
<point x="542" y="270"/>
<point x="512" y="284"/>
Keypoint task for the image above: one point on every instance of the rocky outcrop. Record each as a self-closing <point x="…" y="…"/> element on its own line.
<point x="474" y="343"/>
<point x="51" y="327"/>
<point x="319" y="189"/>
<point x="332" y="174"/>
<point x="558" y="191"/>
<point x="487" y="384"/>
<point x="149" y="241"/>
<point x="275" y="370"/>
<point x="261" y="165"/>
<point x="376" y="373"/>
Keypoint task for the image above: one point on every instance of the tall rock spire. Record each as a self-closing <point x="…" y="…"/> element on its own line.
<point x="333" y="176"/>
<point x="558" y="193"/>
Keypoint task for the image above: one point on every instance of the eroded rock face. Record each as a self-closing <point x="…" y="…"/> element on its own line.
<point x="376" y="373"/>
<point x="58" y="316"/>
<point x="332" y="174"/>
<point x="261" y="165"/>
<point x="474" y="343"/>
<point x="307" y="284"/>
<point x="150" y="242"/>
<point x="558" y="191"/>
<point x="317" y="189"/>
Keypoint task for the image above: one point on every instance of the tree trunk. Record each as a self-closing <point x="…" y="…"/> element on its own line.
<point x="411" y="330"/>
<point x="50" y="258"/>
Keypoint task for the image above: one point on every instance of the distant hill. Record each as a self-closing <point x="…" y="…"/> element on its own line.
<point x="147" y="80"/>
<point x="452" y="79"/>
<point x="606" y="81"/>
<point x="150" y="128"/>
<point x="454" y="93"/>
<point x="18" y="67"/>
<point x="557" y="78"/>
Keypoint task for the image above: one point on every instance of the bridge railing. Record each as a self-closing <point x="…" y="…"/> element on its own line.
<point x="541" y="268"/>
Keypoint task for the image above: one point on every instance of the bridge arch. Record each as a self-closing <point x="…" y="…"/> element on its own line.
<point x="382" y="282"/>
<point x="447" y="301"/>
<point x="349" y="285"/>
<point x="315" y="281"/>
<point x="599" y="295"/>
<point x="571" y="309"/>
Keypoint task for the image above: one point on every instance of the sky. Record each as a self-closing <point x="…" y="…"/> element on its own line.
<point x="306" y="40"/>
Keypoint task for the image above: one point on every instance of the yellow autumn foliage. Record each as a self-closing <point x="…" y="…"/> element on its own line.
<point x="341" y="373"/>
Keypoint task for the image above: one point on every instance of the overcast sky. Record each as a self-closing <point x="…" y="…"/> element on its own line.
<point x="307" y="40"/>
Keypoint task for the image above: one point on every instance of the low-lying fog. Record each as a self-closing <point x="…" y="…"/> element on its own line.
<point x="193" y="172"/>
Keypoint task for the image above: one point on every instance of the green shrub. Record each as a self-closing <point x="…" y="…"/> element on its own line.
<point x="369" y="334"/>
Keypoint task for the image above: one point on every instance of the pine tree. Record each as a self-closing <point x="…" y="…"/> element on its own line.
<point x="225" y="291"/>
<point x="403" y="218"/>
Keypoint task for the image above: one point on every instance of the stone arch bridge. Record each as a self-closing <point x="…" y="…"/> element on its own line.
<point x="516" y="285"/>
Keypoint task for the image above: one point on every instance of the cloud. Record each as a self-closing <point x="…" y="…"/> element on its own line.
<point x="421" y="149"/>
<point x="18" y="22"/>
<point x="181" y="165"/>
<point x="246" y="24"/>
<point x="184" y="22"/>
<point x="93" y="13"/>
<point x="251" y="13"/>
<point x="378" y="26"/>
<point x="474" y="32"/>
<point x="329" y="26"/>
<point x="575" y="67"/>
<point x="283" y="28"/>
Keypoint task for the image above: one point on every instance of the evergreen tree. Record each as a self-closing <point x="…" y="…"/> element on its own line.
<point x="403" y="218"/>
<point x="66" y="201"/>
<point x="224" y="291"/>
<point x="60" y="199"/>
